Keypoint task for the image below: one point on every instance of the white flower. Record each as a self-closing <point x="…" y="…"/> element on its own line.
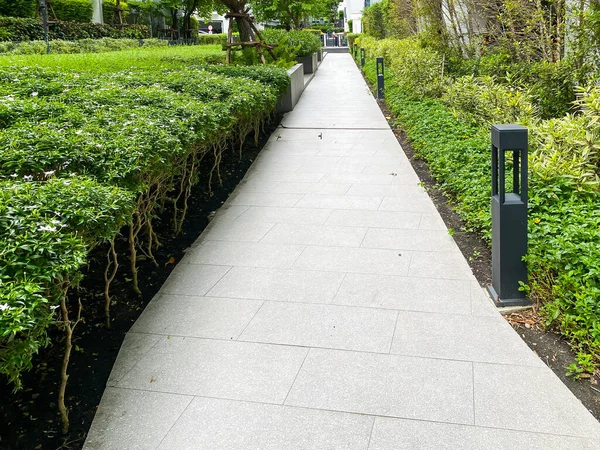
<point x="14" y="175"/>
<point x="28" y="177"/>
<point x="4" y="307"/>
<point x="34" y="94"/>
<point x="49" y="173"/>
<point x="47" y="228"/>
<point x="53" y="307"/>
<point x="79" y="132"/>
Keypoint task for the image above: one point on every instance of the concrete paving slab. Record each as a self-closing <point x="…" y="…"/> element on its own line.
<point x="324" y="326"/>
<point x="339" y="202"/>
<point x="387" y="385"/>
<point x="282" y="285"/>
<point x="448" y="265"/>
<point x="356" y="260"/>
<point x="315" y="235"/>
<point x="264" y="199"/>
<point x="401" y="434"/>
<point x="404" y="239"/>
<point x="189" y="279"/>
<point x="408" y="202"/>
<point x="133" y="348"/>
<point x="217" y="318"/>
<point x="374" y="219"/>
<point x="379" y="190"/>
<point x="529" y="399"/>
<point x="217" y="424"/>
<point x="464" y="338"/>
<point x="432" y="221"/>
<point x="123" y="413"/>
<point x="222" y="369"/>
<point x="308" y="216"/>
<point x="312" y="188"/>
<point x="236" y="231"/>
<point x="245" y="254"/>
<point x="404" y="293"/>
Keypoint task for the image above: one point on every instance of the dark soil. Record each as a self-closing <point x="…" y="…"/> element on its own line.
<point x="552" y="348"/>
<point x="29" y="419"/>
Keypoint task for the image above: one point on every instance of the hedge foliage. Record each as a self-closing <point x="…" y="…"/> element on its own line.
<point x="24" y="29"/>
<point x="86" y="150"/>
<point x="302" y="43"/>
<point x="59" y="46"/>
<point x="449" y="127"/>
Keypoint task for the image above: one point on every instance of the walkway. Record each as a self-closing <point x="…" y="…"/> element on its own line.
<point x="326" y="307"/>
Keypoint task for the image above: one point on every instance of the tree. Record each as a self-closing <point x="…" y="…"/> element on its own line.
<point x="292" y="14"/>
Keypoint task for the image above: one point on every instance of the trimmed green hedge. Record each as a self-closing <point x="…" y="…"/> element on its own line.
<point x="59" y="46"/>
<point x="21" y="29"/>
<point x="302" y="43"/>
<point x="85" y="151"/>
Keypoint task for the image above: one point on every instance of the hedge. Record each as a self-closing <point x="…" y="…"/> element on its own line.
<point x="59" y="46"/>
<point x="84" y="152"/>
<point x="302" y="43"/>
<point x="22" y="29"/>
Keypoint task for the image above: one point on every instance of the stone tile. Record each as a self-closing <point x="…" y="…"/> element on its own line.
<point x="276" y="166"/>
<point x="133" y="348"/>
<point x="325" y="326"/>
<point x="529" y="399"/>
<point x="339" y="202"/>
<point x="217" y="318"/>
<point x="290" y="187"/>
<point x="237" y="231"/>
<point x="264" y="199"/>
<point x="404" y="239"/>
<point x="402" y="434"/>
<point x="466" y="338"/>
<point x="358" y="260"/>
<point x="124" y="413"/>
<point x="287" y="215"/>
<point x="225" y="424"/>
<point x="432" y="221"/>
<point x="385" y="190"/>
<point x="448" y="265"/>
<point x="285" y="176"/>
<point x="228" y="213"/>
<point x="358" y="178"/>
<point x="411" y="203"/>
<point x="331" y="168"/>
<point x="374" y="219"/>
<point x="193" y="279"/>
<point x="282" y="285"/>
<point x="223" y="369"/>
<point x="482" y="304"/>
<point x="263" y="186"/>
<point x="395" y="160"/>
<point x="410" y="294"/>
<point x="245" y="254"/>
<point x="389" y="385"/>
<point x="315" y="235"/>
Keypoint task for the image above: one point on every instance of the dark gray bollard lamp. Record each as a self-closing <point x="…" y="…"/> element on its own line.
<point x="509" y="216"/>
<point x="362" y="57"/>
<point x="380" y="78"/>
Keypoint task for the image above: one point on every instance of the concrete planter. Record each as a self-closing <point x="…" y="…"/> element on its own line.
<point x="320" y="55"/>
<point x="309" y="62"/>
<point x="288" y="101"/>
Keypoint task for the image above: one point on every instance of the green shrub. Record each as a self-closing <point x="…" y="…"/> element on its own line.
<point x="19" y="29"/>
<point x="59" y="46"/>
<point x="212" y="39"/>
<point x="483" y="102"/>
<point x="108" y="11"/>
<point x="18" y="8"/>
<point x="300" y="42"/>
<point x="86" y="149"/>
<point x="351" y="38"/>
<point x="73" y="10"/>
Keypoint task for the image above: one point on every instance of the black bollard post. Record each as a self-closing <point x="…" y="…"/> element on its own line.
<point x="362" y="57"/>
<point x="509" y="216"/>
<point x="380" y="78"/>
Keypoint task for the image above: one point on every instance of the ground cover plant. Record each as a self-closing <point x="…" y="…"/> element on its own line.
<point x="59" y="46"/>
<point x="446" y="108"/>
<point x="92" y="146"/>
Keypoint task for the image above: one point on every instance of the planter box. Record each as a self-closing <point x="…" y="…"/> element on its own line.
<point x="309" y="62"/>
<point x="288" y="101"/>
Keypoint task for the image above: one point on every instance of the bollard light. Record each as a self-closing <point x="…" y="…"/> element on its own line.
<point x="380" y="78"/>
<point x="509" y="216"/>
<point x="362" y="57"/>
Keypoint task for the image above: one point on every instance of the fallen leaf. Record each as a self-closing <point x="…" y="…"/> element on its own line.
<point x="170" y="261"/>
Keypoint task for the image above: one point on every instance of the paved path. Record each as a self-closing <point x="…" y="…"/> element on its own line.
<point x="326" y="307"/>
